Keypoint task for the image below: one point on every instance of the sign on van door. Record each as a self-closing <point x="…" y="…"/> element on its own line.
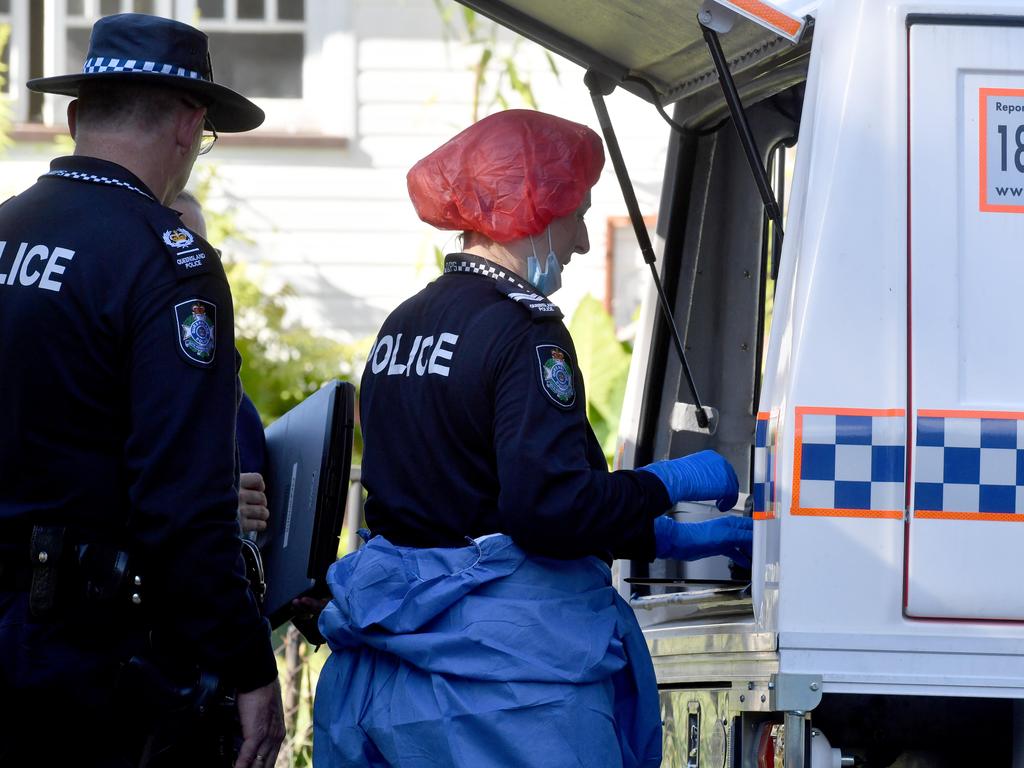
<point x="965" y="555"/>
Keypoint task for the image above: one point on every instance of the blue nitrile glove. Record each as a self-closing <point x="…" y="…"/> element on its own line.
<point x="730" y="535"/>
<point x="698" y="477"/>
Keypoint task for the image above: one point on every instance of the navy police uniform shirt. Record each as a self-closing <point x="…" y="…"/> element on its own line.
<point x="474" y="422"/>
<point x="252" y="441"/>
<point x="118" y="399"/>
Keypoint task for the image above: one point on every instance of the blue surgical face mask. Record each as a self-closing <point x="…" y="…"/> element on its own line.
<point x="549" y="279"/>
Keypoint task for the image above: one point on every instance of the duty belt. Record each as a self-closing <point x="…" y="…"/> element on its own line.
<point x="60" y="572"/>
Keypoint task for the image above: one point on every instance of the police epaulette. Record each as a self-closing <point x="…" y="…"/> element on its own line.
<point x="190" y="254"/>
<point x="539" y="306"/>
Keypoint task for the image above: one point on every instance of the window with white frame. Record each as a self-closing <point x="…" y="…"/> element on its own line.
<point x="14" y="17"/>
<point x="260" y="48"/>
<point x="79" y="16"/>
<point x="258" y="45"/>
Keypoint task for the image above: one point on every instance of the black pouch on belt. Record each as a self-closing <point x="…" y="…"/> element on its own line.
<point x="195" y="720"/>
<point x="47" y="554"/>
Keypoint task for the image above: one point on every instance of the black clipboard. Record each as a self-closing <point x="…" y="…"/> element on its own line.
<point x="309" y="461"/>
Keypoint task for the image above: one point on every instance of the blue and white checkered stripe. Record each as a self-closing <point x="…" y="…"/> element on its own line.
<point x="853" y="462"/>
<point x="764" y="470"/>
<point x="94" y="179"/>
<point x="969" y="464"/>
<point x="101" y="64"/>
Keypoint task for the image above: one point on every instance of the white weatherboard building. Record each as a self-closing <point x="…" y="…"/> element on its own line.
<point x="355" y="92"/>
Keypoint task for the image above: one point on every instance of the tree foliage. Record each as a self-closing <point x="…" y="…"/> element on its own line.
<point x="604" y="364"/>
<point x="283" y="361"/>
<point x="496" y="73"/>
<point x="5" y="107"/>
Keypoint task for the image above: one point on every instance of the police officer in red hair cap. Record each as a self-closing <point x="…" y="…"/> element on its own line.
<point x="478" y="626"/>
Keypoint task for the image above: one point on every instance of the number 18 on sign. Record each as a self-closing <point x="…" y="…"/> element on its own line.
<point x="1001" y="122"/>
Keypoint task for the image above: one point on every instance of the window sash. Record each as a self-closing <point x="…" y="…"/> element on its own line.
<point x="269" y="19"/>
<point x="284" y="113"/>
<point x="91" y="11"/>
<point x="228" y="23"/>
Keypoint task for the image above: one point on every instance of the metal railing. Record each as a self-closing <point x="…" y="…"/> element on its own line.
<point x="354" y="518"/>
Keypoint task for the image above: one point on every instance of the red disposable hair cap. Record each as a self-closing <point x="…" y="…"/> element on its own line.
<point x="507" y="176"/>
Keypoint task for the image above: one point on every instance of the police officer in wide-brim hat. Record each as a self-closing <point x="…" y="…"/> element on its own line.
<point x="135" y="47"/>
<point x="122" y="584"/>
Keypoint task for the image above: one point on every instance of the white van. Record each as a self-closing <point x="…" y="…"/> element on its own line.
<point x="878" y="428"/>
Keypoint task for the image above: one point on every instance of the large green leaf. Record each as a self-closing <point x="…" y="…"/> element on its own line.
<point x="604" y="364"/>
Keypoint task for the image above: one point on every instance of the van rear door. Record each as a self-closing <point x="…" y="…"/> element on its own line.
<point x="658" y="41"/>
<point x="966" y="333"/>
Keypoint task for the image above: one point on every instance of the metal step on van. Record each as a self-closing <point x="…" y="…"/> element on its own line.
<point x="877" y="425"/>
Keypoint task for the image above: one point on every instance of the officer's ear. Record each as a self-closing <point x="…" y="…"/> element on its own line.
<point x="73" y="117"/>
<point x="190" y="122"/>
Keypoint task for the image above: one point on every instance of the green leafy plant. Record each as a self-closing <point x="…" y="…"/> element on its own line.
<point x="495" y="72"/>
<point x="283" y="362"/>
<point x="5" y="107"/>
<point x="604" y="364"/>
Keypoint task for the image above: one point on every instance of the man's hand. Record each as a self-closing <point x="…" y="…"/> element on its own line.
<point x="252" y="502"/>
<point x="307" y="617"/>
<point x="262" y="716"/>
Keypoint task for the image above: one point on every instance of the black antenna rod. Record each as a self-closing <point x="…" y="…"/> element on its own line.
<point x="739" y="119"/>
<point x="600" y="86"/>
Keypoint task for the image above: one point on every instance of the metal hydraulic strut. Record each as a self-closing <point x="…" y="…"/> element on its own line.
<point x="739" y="119"/>
<point x="600" y="86"/>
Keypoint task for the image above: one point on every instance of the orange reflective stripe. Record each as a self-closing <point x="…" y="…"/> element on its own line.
<point x="874" y="514"/>
<point x="769" y="15"/>
<point x="971" y="414"/>
<point x="824" y="411"/>
<point x="993" y="517"/>
<point x="798" y="441"/>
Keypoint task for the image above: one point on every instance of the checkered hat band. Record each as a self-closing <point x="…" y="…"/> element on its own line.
<point x="94" y="179"/>
<point x="101" y="64"/>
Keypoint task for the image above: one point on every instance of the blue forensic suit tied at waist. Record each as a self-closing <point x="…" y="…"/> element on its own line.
<point x="481" y="655"/>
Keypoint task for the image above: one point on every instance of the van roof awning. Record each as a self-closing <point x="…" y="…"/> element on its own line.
<point x="659" y="41"/>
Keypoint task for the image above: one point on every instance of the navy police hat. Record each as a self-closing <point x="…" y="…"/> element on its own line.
<point x="150" y="49"/>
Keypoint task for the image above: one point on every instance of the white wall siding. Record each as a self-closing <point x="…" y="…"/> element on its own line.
<point x="337" y="224"/>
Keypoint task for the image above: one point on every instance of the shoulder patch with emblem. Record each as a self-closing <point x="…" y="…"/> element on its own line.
<point x="196" y="320"/>
<point x="178" y="238"/>
<point x="540" y="307"/>
<point x="556" y="375"/>
<point x="190" y="254"/>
